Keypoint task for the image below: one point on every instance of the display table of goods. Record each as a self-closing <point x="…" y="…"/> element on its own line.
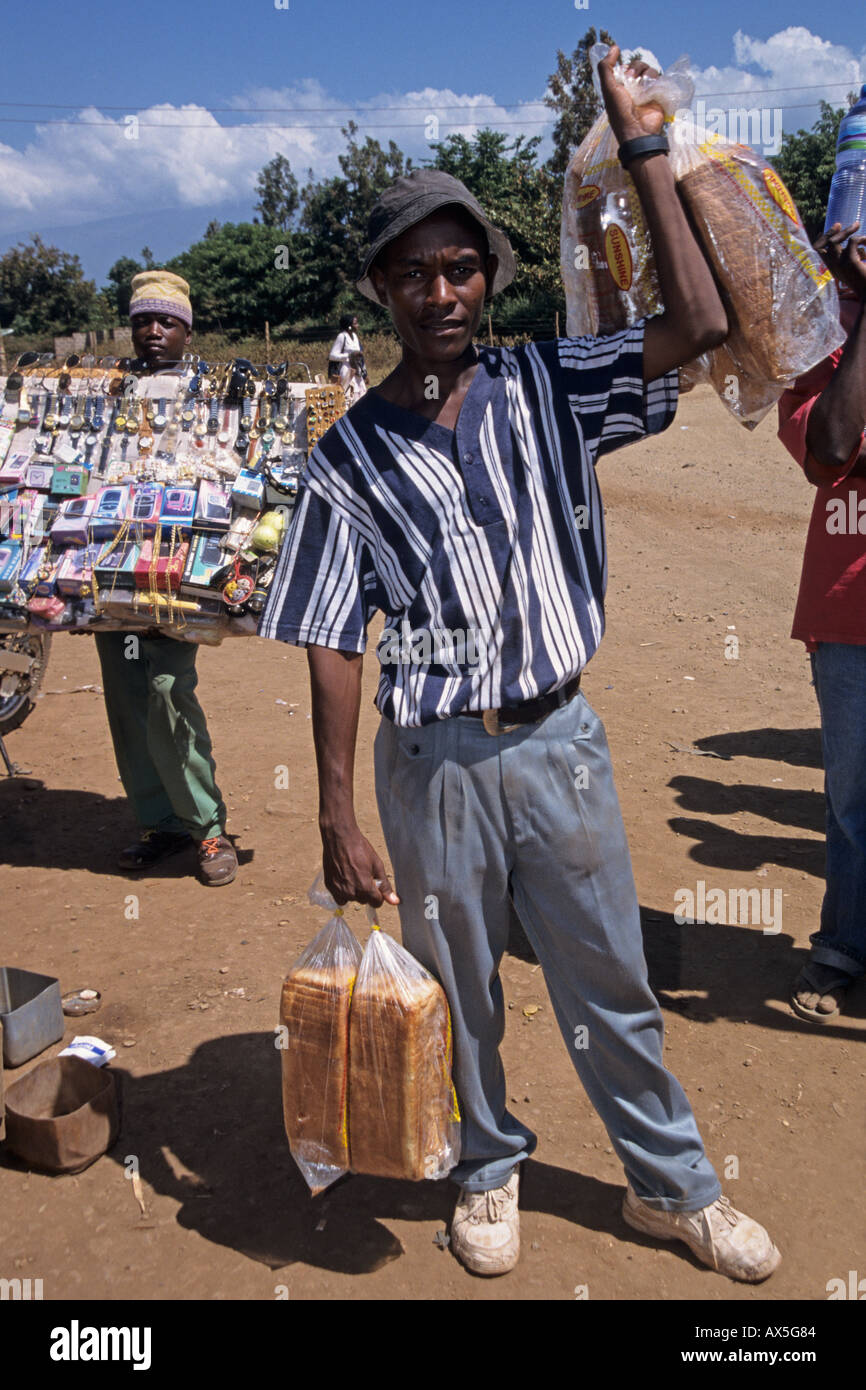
<point x="129" y="501"/>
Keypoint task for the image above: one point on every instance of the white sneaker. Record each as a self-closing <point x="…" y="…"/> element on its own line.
<point x="719" y="1235"/>
<point x="485" y="1231"/>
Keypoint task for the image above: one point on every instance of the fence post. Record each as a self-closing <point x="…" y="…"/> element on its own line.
<point x="557" y="324"/>
<point x="267" y="341"/>
<point x="489" y="330"/>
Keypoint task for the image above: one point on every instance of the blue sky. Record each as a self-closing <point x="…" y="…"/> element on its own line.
<point x="202" y="80"/>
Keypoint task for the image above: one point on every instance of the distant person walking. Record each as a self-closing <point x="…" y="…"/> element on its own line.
<point x="346" y="360"/>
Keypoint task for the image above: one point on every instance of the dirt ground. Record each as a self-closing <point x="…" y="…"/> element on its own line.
<point x="706" y="528"/>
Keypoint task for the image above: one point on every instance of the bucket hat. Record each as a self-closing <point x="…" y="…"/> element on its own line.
<point x="412" y="198"/>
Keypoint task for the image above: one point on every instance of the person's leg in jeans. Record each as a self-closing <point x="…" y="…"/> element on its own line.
<point x="574" y="891"/>
<point x="460" y="810"/>
<point x="447" y="837"/>
<point x="838" y="951"/>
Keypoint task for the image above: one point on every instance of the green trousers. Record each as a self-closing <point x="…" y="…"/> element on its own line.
<point x="160" y="736"/>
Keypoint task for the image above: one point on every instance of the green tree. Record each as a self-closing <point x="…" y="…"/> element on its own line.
<point x="806" y="163"/>
<point x="43" y="290"/>
<point x="571" y="93"/>
<point x="239" y="276"/>
<point x="334" y="220"/>
<point x="119" y="286"/>
<point x="277" y="188"/>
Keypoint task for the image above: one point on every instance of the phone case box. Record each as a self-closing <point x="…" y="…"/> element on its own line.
<point x="214" y="507"/>
<point x="72" y="525"/>
<point x="109" y="513"/>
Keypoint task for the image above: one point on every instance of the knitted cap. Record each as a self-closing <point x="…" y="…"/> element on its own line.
<point x="160" y="292"/>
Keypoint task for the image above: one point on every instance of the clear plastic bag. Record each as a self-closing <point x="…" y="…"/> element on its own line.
<point x="781" y="302"/>
<point x="607" y="262"/>
<point x="314" y="1010"/>
<point x="403" y="1112"/>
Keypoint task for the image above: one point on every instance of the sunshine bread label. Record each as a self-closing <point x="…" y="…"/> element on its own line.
<point x="587" y="194"/>
<point x="618" y="254"/>
<point x="779" y="193"/>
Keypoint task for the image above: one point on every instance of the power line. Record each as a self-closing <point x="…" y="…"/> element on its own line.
<point x="302" y="125"/>
<point x="440" y="106"/>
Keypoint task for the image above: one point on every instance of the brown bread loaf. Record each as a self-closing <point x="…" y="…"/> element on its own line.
<point x="314" y="1010"/>
<point x="778" y="296"/>
<point x="400" y="1099"/>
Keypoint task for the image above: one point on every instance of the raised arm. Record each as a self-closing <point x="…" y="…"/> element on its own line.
<point x="694" y="318"/>
<point x="838" y="417"/>
<point x="351" y="865"/>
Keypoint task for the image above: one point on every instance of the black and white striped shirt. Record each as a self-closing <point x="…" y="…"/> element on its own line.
<point x="484" y="546"/>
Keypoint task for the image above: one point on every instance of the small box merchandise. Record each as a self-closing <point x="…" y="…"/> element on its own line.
<point x="204" y="559"/>
<point x="115" y="568"/>
<point x="39" y="475"/>
<point x="214" y="507"/>
<point x="248" y="489"/>
<point x="121" y="604"/>
<point x="109" y="513"/>
<point x="68" y="453"/>
<point x="10" y="516"/>
<point x="44" y="587"/>
<point x="10" y="563"/>
<point x="178" y="506"/>
<point x="14" y="471"/>
<point x="25" y="515"/>
<point x="284" y="478"/>
<point x="69" y="480"/>
<point x="144" y="507"/>
<point x="75" y="571"/>
<point x="49" y="514"/>
<point x="72" y="525"/>
<point x="242" y="527"/>
<point x="31" y="566"/>
<point x="162" y="568"/>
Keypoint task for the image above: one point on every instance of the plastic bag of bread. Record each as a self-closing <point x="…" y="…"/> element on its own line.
<point x="314" y="1011"/>
<point x="607" y="263"/>
<point x="403" y="1113"/>
<point x="781" y="302"/>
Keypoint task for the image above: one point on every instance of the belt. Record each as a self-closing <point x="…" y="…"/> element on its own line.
<point x="508" y="717"/>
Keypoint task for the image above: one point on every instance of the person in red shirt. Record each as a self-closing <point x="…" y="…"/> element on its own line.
<point x="821" y="422"/>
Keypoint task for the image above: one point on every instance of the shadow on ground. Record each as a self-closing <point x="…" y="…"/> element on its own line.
<point x="50" y="828"/>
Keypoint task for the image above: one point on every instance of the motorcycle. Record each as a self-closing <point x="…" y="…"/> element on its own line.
<point x="23" y="659"/>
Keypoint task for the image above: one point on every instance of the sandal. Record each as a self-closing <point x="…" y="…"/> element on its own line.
<point x="828" y="982"/>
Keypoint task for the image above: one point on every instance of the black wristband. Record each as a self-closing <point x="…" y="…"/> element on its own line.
<point x="643" y="144"/>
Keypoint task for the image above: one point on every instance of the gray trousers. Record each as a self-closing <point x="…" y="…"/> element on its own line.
<point x="467" y="815"/>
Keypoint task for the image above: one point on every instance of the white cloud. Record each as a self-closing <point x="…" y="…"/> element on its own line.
<point x="796" y="70"/>
<point x="188" y="157"/>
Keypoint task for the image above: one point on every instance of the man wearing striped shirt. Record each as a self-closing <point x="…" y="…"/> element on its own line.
<point x="460" y="498"/>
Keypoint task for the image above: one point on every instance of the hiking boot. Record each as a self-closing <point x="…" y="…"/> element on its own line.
<point x="153" y="846"/>
<point x="719" y="1235"/>
<point x="485" y="1231"/>
<point x="217" y="861"/>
